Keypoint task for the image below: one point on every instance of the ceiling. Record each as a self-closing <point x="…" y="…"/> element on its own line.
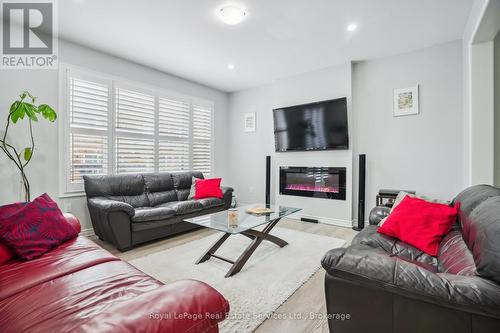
<point x="278" y="38"/>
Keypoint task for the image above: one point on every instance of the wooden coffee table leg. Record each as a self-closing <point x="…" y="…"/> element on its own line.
<point x="240" y="262"/>
<point x="259" y="237"/>
<point x="276" y="240"/>
<point x="213" y="248"/>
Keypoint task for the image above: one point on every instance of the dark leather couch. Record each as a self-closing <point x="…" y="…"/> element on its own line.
<point x="387" y="286"/>
<point x="127" y="210"/>
<point x="80" y="287"/>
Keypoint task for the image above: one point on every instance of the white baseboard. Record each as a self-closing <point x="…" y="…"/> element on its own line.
<point x="325" y="220"/>
<point x="87" y="232"/>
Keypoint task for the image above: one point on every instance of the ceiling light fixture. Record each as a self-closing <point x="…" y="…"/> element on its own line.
<point x="230" y="67"/>
<point x="352" y="27"/>
<point x="231" y="14"/>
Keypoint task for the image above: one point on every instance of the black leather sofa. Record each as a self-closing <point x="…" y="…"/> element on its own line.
<point x="385" y="285"/>
<point x="127" y="210"/>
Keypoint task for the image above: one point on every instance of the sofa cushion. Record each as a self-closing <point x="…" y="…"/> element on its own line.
<point x="152" y="214"/>
<point x="125" y="188"/>
<point x="158" y="182"/>
<point x="117" y="185"/>
<point x="36" y="228"/>
<point x="74" y="255"/>
<point x="211" y="202"/>
<point x="393" y="246"/>
<point x="182" y="183"/>
<point x="454" y="257"/>
<point x="65" y="303"/>
<point x="481" y="232"/>
<point x="188" y="298"/>
<point x="159" y="188"/>
<point x="158" y="198"/>
<point x="182" y="180"/>
<point x="377" y="269"/>
<point x="135" y="201"/>
<point x="183" y="207"/>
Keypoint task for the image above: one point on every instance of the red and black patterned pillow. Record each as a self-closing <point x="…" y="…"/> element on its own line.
<point x="33" y="228"/>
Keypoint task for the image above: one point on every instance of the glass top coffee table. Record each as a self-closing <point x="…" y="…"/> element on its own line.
<point x="240" y="222"/>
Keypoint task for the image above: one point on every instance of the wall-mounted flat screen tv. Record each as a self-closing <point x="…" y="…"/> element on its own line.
<point x="313" y="126"/>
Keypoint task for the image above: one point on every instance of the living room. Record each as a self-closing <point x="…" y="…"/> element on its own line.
<point x="250" y="166"/>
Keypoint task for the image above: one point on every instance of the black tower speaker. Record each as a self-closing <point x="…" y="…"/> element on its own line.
<point x="361" y="192"/>
<point x="268" y="180"/>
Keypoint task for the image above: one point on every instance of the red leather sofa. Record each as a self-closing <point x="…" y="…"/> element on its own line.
<point x="80" y="287"/>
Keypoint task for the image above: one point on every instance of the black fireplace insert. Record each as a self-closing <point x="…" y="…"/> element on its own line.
<point x="316" y="182"/>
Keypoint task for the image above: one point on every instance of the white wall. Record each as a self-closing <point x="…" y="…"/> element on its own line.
<point x="248" y="150"/>
<point x="423" y="152"/>
<point x="43" y="171"/>
<point x="482" y="113"/>
<point x="475" y="15"/>
<point x="420" y="152"/>
<point x="482" y="26"/>
<point x="497" y="109"/>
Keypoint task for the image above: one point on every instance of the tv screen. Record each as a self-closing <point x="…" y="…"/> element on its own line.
<point x="314" y="126"/>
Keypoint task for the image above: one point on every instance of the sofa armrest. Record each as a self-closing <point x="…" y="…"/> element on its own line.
<point x="73" y="221"/>
<point x="109" y="205"/>
<point x="377" y="269"/>
<point x="378" y="213"/>
<point x="227" y="195"/>
<point x="185" y="306"/>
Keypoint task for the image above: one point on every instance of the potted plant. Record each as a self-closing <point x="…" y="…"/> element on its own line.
<point x="23" y="108"/>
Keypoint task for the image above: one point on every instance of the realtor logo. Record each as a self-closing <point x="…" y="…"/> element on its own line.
<point x="29" y="39"/>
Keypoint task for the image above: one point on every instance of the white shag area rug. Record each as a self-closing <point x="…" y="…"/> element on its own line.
<point x="267" y="280"/>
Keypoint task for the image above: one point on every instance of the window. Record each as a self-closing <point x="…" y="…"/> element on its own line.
<point x="134" y="131"/>
<point x="116" y="128"/>
<point x="174" y="121"/>
<point x="202" y="136"/>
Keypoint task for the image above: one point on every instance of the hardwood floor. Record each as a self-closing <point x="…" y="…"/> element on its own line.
<point x="301" y="310"/>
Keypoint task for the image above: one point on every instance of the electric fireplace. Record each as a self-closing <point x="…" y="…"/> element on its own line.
<point x="316" y="182"/>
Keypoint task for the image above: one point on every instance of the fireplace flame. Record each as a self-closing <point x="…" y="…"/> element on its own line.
<point x="312" y="188"/>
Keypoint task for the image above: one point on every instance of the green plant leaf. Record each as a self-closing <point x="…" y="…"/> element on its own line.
<point x="14" y="106"/>
<point x="47" y="112"/>
<point x="33" y="98"/>
<point x="27" y="154"/>
<point x="29" y="109"/>
<point x="16" y="111"/>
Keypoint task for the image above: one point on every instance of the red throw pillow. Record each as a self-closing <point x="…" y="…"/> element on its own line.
<point x="35" y="228"/>
<point x="8" y="210"/>
<point x="208" y="188"/>
<point x="420" y="223"/>
<point x="5" y="254"/>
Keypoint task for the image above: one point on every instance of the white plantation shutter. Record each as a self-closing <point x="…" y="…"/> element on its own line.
<point x="88" y="155"/>
<point x="88" y="128"/>
<point x="173" y="156"/>
<point x="173" y="129"/>
<point x="173" y="118"/>
<point x="134" y="155"/>
<point x="135" y="112"/>
<point x="202" y="139"/>
<point x="135" y="129"/>
<point x="114" y="128"/>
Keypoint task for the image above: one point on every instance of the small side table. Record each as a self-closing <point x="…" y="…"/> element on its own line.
<point x="388" y="196"/>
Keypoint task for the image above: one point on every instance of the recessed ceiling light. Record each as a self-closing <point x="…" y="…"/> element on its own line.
<point x="232" y="14"/>
<point x="230" y="66"/>
<point x="352" y="27"/>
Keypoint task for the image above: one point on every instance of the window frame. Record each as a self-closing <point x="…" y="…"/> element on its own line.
<point x="69" y="189"/>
